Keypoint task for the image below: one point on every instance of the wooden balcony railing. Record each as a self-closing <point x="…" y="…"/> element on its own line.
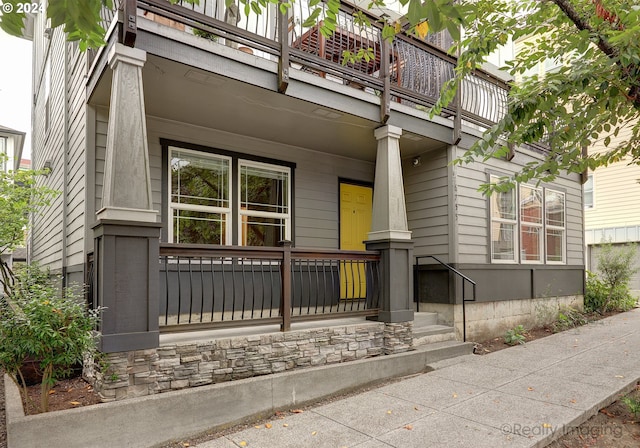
<point x="214" y="286"/>
<point x="408" y="70"/>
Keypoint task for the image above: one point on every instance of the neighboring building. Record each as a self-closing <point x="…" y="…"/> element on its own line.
<point x="11" y="143"/>
<point x="183" y="158"/>
<point x="612" y="209"/>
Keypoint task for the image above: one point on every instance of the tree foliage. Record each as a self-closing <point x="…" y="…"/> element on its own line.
<point x="590" y="99"/>
<point x="19" y="197"/>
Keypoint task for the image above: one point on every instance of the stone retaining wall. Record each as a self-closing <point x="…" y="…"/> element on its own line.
<point x="176" y="366"/>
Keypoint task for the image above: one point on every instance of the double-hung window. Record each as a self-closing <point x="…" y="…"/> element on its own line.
<point x="264" y="204"/>
<point x="200" y="205"/>
<point x="531" y="232"/>
<point x="555" y="222"/>
<point x="504" y="225"/>
<point x="225" y="199"/>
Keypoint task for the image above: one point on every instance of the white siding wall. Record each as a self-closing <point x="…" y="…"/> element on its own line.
<point x="473" y="214"/>
<point x="316" y="175"/>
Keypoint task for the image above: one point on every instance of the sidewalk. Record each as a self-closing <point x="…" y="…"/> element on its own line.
<point x="524" y="396"/>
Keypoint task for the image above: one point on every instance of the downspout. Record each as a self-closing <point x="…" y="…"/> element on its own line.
<point x="65" y="164"/>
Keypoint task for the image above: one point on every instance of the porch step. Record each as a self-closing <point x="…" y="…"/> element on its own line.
<point x="424" y="319"/>
<point x="430" y="334"/>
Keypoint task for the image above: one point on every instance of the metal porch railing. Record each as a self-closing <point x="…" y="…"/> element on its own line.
<point x="215" y="286"/>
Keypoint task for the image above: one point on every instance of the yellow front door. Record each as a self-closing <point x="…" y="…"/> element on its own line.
<point x="355" y="223"/>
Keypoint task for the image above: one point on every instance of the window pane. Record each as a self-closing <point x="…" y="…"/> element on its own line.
<point x="530" y="239"/>
<point x="503" y="205"/>
<point x="530" y="204"/>
<point x="262" y="231"/>
<point x="199" y="180"/>
<point x="191" y="227"/>
<point x="502" y="244"/>
<point x="588" y="192"/>
<point x="554" y="206"/>
<point x="555" y="241"/>
<point x="262" y="189"/>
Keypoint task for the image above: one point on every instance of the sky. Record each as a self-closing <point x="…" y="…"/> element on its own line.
<point x="15" y="86"/>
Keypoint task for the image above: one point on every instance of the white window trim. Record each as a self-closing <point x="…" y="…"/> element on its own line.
<point x="261" y="214"/>
<point x="228" y="211"/>
<point x="540" y="226"/>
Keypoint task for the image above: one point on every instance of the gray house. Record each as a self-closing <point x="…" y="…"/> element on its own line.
<point x="222" y="170"/>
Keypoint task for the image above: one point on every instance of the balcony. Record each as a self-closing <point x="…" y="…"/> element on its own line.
<point x="407" y="71"/>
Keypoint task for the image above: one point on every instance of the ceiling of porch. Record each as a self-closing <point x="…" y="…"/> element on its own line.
<point x="186" y="94"/>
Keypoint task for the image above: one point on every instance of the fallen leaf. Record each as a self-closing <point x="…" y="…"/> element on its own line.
<point x="546" y="425"/>
<point x="314" y="433"/>
<point x="285" y="425"/>
<point x="416" y="408"/>
<point x="185" y="444"/>
<point x="297" y="411"/>
<point x="455" y="395"/>
<point x="74" y="402"/>
<point x="243" y="443"/>
<point x="409" y="427"/>
<point x="258" y="426"/>
<point x="51" y="392"/>
<point x="572" y="401"/>
<point x="268" y="426"/>
<point x="388" y="412"/>
<point x="529" y="389"/>
<point x="619" y="376"/>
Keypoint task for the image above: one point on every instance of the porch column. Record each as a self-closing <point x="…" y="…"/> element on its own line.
<point x="127" y="182"/>
<point x="389" y="230"/>
<point x="126" y="273"/>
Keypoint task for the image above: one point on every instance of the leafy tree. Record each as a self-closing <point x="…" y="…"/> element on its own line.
<point x="589" y="99"/>
<point x="19" y="197"/>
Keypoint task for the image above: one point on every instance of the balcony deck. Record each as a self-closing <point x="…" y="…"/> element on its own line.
<point x="407" y="71"/>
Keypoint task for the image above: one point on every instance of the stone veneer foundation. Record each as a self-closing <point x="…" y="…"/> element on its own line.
<point x="116" y="376"/>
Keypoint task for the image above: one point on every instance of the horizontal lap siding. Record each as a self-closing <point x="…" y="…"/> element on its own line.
<point x="473" y="214"/>
<point x="75" y="220"/>
<point x="426" y="194"/>
<point x="46" y="240"/>
<point x="316" y="175"/>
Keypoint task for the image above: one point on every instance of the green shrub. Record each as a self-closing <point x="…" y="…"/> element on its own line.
<point x="38" y="323"/>
<point x="609" y="289"/>
<point x="568" y="318"/>
<point x="515" y="335"/>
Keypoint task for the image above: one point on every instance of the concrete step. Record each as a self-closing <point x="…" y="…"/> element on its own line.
<point x="430" y="334"/>
<point x="424" y="319"/>
<point x="438" y="352"/>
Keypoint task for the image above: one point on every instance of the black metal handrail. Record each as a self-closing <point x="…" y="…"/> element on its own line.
<point x="464" y="280"/>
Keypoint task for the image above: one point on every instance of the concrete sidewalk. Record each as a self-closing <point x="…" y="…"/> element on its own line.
<point x="524" y="396"/>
